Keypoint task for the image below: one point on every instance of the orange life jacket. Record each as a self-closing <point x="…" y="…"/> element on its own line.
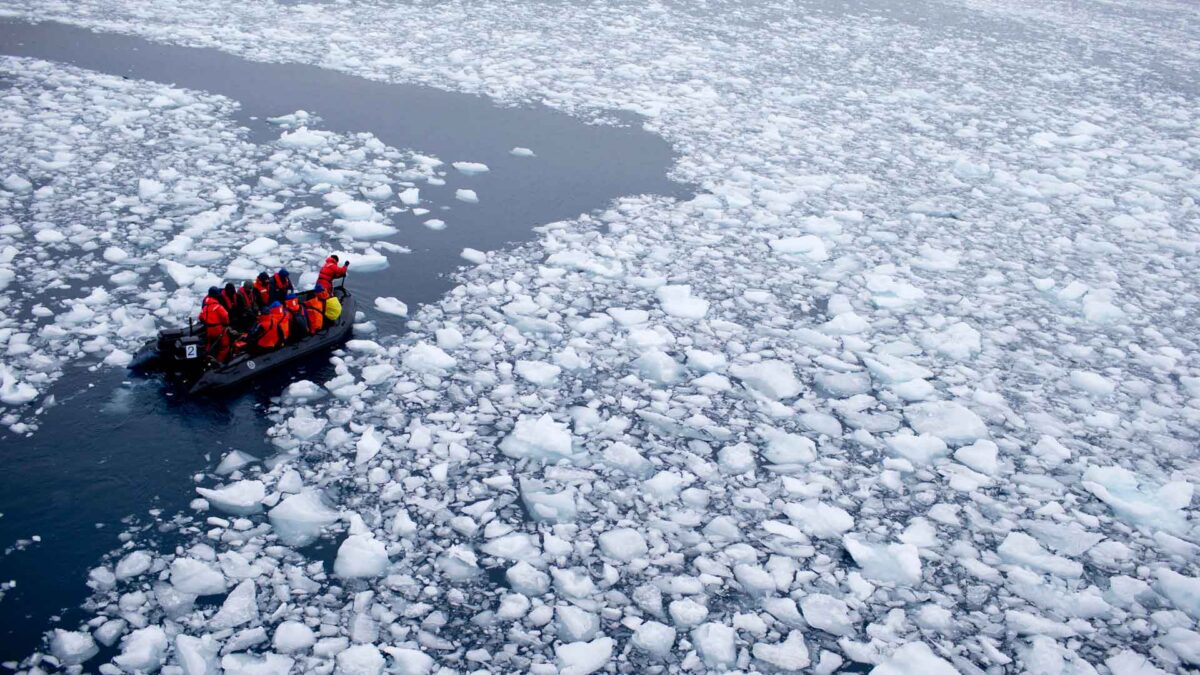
<point x="264" y="293"/>
<point x="281" y="322"/>
<point x="314" y="311"/>
<point x="268" y="329"/>
<point x="214" y="317"/>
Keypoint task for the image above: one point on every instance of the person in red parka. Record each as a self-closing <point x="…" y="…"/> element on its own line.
<point x="331" y="271"/>
<point x="216" y="325"/>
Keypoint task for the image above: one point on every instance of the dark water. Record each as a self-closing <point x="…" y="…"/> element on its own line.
<point x="114" y="447"/>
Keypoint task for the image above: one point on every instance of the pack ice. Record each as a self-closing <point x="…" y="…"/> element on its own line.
<point x="909" y="385"/>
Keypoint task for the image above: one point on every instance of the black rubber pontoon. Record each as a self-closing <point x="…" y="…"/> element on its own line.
<point x="180" y="352"/>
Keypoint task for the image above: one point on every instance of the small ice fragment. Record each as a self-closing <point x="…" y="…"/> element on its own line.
<point x="827" y="613"/>
<point x="582" y="658"/>
<point x="1093" y="383"/>
<point x="298" y="519"/>
<point x="16" y="183"/>
<point x="360" y="660"/>
<point x="135" y="564"/>
<point x="259" y="246"/>
<point x="240" y="606"/>
<point x="914" y="657"/>
<point x="809" y="246"/>
<point x="366" y="229"/>
<point x="143" y="650"/>
<point x="791" y="655"/>
<point x="952" y="422"/>
<point x="426" y="358"/>
<point x="302" y="138"/>
<point x="623" y="544"/>
<point x="72" y="648"/>
<point x="470" y="168"/>
<point x="897" y="563"/>
<point x="391" y="306"/>
<point x="241" y="498"/>
<point x="195" y="577"/>
<point x="361" y="556"/>
<point x="772" y="378"/>
<point x="654" y="638"/>
<point x="468" y="196"/>
<point x="678" y="301"/>
<point x="716" y="644"/>
<point x="411" y="196"/>
<point x="540" y="438"/>
<point x="538" y="372"/>
<point x="473" y="255"/>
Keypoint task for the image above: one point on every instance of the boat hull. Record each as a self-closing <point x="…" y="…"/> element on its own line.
<point x="243" y="367"/>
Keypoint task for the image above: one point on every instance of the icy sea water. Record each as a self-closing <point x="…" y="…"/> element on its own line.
<point x="112" y="447"/>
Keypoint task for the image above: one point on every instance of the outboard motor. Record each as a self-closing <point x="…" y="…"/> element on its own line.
<point x="181" y="350"/>
<point x="188" y="348"/>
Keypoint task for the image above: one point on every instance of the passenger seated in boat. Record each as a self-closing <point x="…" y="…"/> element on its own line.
<point x="247" y="306"/>
<point x="314" y="308"/>
<point x="333" y="309"/>
<point x="262" y="288"/>
<point x="295" y="316"/>
<point x="216" y="325"/>
<point x="281" y="285"/>
<point x="271" y="330"/>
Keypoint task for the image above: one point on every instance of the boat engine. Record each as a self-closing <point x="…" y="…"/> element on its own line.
<point x="181" y="350"/>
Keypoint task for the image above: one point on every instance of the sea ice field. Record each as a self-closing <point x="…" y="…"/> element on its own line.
<point x="903" y="377"/>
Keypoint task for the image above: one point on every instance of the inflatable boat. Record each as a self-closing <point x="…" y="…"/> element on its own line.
<point x="180" y="353"/>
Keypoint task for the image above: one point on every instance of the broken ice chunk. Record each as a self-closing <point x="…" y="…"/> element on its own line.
<point x="240" y="606"/>
<point x="582" y="658"/>
<point x="426" y="358"/>
<point x="772" y="378"/>
<point x="194" y="577"/>
<point x="791" y="655"/>
<point x="540" y="438"/>
<point x="807" y="246"/>
<point x="241" y="498"/>
<point x="547" y="506"/>
<point x="1142" y="505"/>
<point x="1023" y="549"/>
<point x="361" y="556"/>
<point x="896" y="563"/>
<point x="716" y="644"/>
<point x="654" y="638"/>
<point x="72" y="648"/>
<point x="952" y="422"/>
<point x="678" y="301"/>
<point x="913" y="658"/>
<point x="298" y="519"/>
<point x="470" y="168"/>
<point x="623" y="544"/>
<point x="143" y="650"/>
